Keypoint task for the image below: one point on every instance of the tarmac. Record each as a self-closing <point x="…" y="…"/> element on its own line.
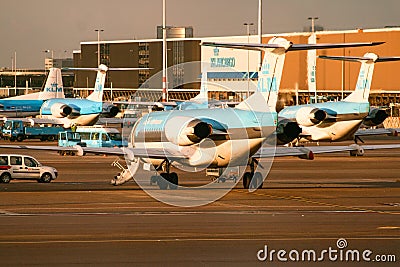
<point x="80" y="219"/>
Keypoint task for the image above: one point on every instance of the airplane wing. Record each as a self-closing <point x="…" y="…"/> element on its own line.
<point x="34" y="120"/>
<point x="156" y="153"/>
<point x="308" y="152"/>
<point x="264" y="152"/>
<point x="379" y="131"/>
<point x="105" y="121"/>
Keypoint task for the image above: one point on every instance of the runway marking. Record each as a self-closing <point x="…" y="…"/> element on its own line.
<point x="305" y="200"/>
<point x="193" y="239"/>
<point x="388" y="227"/>
<point x="8" y="213"/>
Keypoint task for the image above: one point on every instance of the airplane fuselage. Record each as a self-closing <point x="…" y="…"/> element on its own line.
<point x="236" y="136"/>
<point x="344" y="119"/>
<point x="19" y="108"/>
<point x="84" y="111"/>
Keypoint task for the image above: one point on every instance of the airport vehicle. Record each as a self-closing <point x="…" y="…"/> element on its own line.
<point x="338" y="121"/>
<point x="30" y="104"/>
<point x="220" y="137"/>
<point x="14" y="166"/>
<point x="20" y="130"/>
<point x="91" y="136"/>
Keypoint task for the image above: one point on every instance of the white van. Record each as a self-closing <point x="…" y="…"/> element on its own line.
<point x="14" y="166"/>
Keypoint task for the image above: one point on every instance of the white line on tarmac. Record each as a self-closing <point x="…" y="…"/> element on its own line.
<point x="193" y="239"/>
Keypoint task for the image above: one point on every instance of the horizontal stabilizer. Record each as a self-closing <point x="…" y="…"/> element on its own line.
<point x="364" y="58"/>
<point x="290" y="47"/>
<point x="97" y="69"/>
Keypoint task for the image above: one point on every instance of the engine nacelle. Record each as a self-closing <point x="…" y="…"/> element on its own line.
<point x="287" y="131"/>
<point x="375" y="117"/>
<point x="110" y="111"/>
<point x="309" y="116"/>
<point x="308" y="154"/>
<point x="185" y="131"/>
<point x="60" y="110"/>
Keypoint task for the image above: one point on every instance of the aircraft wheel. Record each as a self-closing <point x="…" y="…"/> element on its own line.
<point x="256" y="181"/>
<point x="5" y="178"/>
<point x="162" y="182"/>
<point x="246" y="180"/>
<point x="173" y="179"/>
<point x="154" y="179"/>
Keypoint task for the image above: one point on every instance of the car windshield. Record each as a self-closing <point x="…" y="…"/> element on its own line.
<point x="115" y="136"/>
<point x="8" y="125"/>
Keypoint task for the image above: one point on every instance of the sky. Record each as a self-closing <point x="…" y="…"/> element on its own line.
<point x="30" y="27"/>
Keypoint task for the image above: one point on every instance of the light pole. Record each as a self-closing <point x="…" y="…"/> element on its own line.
<point x="312" y="54"/>
<point x="15" y="69"/>
<point x="248" y="40"/>
<point x="98" y="45"/>
<point x="164" y="54"/>
<point x="313" y="19"/>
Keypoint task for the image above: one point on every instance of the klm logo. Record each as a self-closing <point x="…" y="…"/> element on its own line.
<point x="99" y="86"/>
<point x="312" y="79"/>
<point x="54" y="88"/>
<point x="265" y="68"/>
<point x="267" y="84"/>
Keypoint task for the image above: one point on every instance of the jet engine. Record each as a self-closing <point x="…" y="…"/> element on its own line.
<point x="309" y="116"/>
<point x="110" y="111"/>
<point x="287" y="131"/>
<point x="185" y="131"/>
<point x="375" y="117"/>
<point x="60" y="110"/>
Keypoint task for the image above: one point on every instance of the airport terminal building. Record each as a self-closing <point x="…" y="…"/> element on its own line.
<point x="233" y="73"/>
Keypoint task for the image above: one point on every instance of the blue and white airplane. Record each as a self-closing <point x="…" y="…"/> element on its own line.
<point x="199" y="138"/>
<point x="80" y="112"/>
<point x="30" y="104"/>
<point x="339" y="121"/>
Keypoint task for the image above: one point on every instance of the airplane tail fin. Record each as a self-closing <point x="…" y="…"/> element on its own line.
<point x="363" y="86"/>
<point x="202" y="97"/>
<point x="97" y="94"/>
<point x="53" y="87"/>
<point x="269" y="77"/>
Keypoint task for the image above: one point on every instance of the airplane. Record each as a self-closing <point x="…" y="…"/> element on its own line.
<point x="201" y="138"/>
<point x="80" y="112"/>
<point x="30" y="104"/>
<point x="340" y="120"/>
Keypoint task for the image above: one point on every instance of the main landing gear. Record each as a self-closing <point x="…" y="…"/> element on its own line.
<point x="165" y="179"/>
<point x="252" y="180"/>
